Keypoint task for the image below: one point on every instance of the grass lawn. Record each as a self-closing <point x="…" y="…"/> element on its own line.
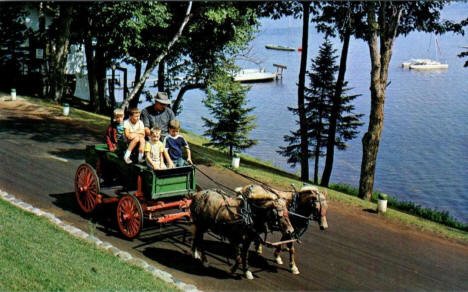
<point x="37" y="256"/>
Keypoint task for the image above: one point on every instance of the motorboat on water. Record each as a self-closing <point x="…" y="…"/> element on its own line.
<point x="424" y="64"/>
<point x="254" y="75"/>
<point x="279" y="48"/>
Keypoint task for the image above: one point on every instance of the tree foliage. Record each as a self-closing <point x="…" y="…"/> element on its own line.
<point x="217" y="32"/>
<point x="231" y="123"/>
<point x="465" y="53"/>
<point x="13" y="35"/>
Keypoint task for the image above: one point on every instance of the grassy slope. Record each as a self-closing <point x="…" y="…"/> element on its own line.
<point x="36" y="256"/>
<point x="265" y="172"/>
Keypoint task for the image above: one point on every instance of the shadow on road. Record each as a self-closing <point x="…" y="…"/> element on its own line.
<point x="102" y="216"/>
<point x="77" y="154"/>
<point x="48" y="130"/>
<point x="184" y="262"/>
<point x="168" y="244"/>
<point x="372" y="211"/>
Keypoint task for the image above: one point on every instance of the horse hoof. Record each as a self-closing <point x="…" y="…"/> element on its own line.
<point x="206" y="264"/>
<point x="295" y="271"/>
<point x="279" y="261"/>
<point x="249" y="275"/>
<point x="196" y="255"/>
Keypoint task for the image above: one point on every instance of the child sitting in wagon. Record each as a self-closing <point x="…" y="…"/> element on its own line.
<point x="134" y="132"/>
<point x="154" y="150"/>
<point x="115" y="131"/>
<point x="174" y="143"/>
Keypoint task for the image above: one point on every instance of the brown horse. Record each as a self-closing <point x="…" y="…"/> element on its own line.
<point x="305" y="205"/>
<point x="237" y="219"/>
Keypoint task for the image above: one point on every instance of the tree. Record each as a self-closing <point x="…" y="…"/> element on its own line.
<point x="114" y="32"/>
<point x="465" y="53"/>
<point x="13" y="34"/>
<point x="385" y="21"/>
<point x="298" y="9"/>
<point x="316" y="108"/>
<point x="300" y="93"/>
<point x="332" y="22"/>
<point x="217" y="33"/>
<point x="154" y="59"/>
<point x="318" y="97"/>
<point x="319" y="105"/>
<point x="59" y="36"/>
<point x="232" y="124"/>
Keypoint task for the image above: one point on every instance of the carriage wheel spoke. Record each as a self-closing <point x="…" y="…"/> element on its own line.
<point x="86" y="187"/>
<point x="129" y="216"/>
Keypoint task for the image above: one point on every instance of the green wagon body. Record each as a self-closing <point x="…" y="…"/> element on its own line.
<point x="139" y="191"/>
<point x="156" y="184"/>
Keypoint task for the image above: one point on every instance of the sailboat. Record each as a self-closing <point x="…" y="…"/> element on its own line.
<point x="426" y="64"/>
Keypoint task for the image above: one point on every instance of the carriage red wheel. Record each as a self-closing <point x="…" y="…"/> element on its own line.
<point x="129" y="216"/>
<point x="86" y="187"/>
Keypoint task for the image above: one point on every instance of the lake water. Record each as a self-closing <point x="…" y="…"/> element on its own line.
<point x="423" y="155"/>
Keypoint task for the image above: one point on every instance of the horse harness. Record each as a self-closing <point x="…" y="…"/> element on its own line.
<point x="245" y="211"/>
<point x="300" y="230"/>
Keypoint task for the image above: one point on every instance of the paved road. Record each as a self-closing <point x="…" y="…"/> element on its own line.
<point x="359" y="251"/>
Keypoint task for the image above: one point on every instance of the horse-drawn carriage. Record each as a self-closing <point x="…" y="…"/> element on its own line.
<point x="140" y="193"/>
<point x="167" y="195"/>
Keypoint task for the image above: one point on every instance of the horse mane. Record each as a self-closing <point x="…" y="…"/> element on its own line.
<point x="256" y="192"/>
<point x="309" y="188"/>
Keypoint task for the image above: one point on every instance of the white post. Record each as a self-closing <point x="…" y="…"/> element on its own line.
<point x="13" y="94"/>
<point x="382" y="203"/>
<point x="66" y="109"/>
<point x="235" y="161"/>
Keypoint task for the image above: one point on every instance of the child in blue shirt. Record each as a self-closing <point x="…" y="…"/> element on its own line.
<point x="173" y="144"/>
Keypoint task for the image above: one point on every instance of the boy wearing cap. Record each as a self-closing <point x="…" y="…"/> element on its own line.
<point x="174" y="143"/>
<point x="158" y="115"/>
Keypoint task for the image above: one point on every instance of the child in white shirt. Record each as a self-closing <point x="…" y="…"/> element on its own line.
<point x="134" y="132"/>
<point x="154" y="150"/>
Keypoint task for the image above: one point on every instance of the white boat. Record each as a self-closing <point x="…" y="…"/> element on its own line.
<point x="424" y="64"/>
<point x="254" y="75"/>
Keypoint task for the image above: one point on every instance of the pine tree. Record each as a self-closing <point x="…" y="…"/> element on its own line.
<point x="226" y="101"/>
<point x="318" y="97"/>
<point x="348" y="122"/>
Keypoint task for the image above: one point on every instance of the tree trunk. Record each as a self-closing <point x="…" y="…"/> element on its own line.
<point x="335" y="111"/>
<point x="180" y="96"/>
<point x="60" y="52"/>
<point x="152" y="64"/>
<point x="42" y="41"/>
<point x="136" y="100"/>
<point x="316" y="165"/>
<point x="92" y="81"/>
<point x="300" y="95"/>
<point x="161" y="75"/>
<point x="100" y="67"/>
<point x="380" y="60"/>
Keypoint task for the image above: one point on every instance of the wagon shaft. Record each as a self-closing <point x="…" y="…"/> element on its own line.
<point x="275" y="244"/>
<point x="171" y="217"/>
<point x="161" y="206"/>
